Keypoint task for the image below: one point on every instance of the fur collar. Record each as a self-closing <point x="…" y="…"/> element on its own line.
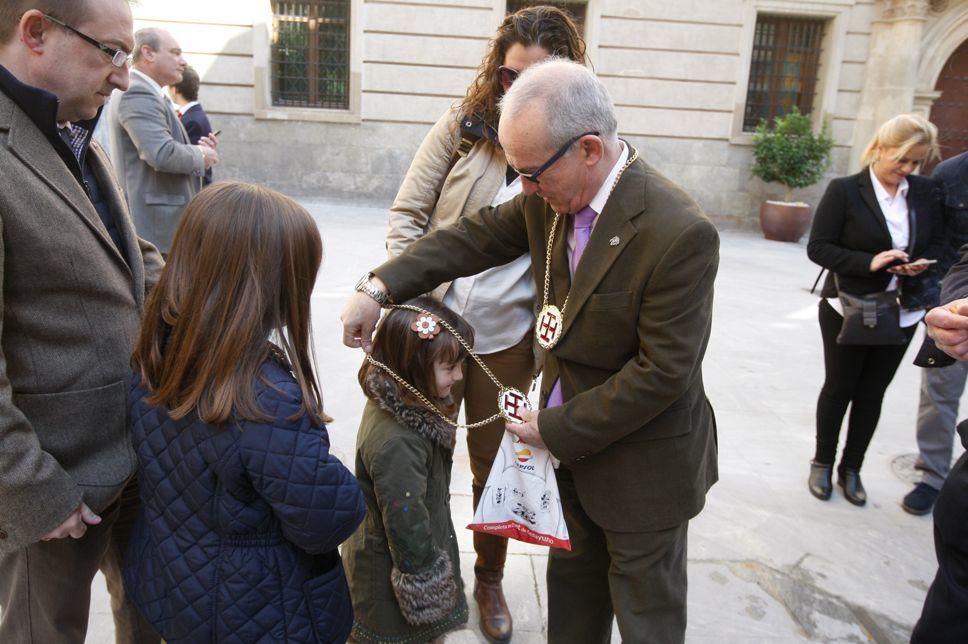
<point x="418" y="419"/>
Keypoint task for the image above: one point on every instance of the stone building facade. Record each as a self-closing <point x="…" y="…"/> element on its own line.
<point x="687" y="77"/>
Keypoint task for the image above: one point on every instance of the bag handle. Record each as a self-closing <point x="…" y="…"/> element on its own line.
<point x="817" y="281"/>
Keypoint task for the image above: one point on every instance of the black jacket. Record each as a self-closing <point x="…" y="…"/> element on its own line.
<point x="953" y="174"/>
<point x="944" y="617"/>
<point x="196" y="125"/>
<point x="849" y="229"/>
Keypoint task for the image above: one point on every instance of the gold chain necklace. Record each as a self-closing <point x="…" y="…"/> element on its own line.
<point x="551" y="322"/>
<point x="509" y="399"/>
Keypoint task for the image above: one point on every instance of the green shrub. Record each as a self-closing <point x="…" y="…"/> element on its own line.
<point x="789" y="153"/>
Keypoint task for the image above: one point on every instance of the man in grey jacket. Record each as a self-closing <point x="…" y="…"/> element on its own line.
<point x="159" y="168"/>
<point x="74" y="276"/>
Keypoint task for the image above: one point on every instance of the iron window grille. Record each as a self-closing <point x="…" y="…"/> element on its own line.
<point x="310" y="54"/>
<point x="783" y="68"/>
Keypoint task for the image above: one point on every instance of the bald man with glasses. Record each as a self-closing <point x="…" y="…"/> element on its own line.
<point x="624" y="264"/>
<point x="74" y="276"/>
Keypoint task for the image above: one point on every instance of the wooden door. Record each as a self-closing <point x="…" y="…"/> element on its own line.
<point x="950" y="111"/>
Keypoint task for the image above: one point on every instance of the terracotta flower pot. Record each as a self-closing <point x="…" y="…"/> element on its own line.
<point x="782" y="221"/>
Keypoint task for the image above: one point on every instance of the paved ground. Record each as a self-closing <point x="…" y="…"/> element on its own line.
<point x="767" y="562"/>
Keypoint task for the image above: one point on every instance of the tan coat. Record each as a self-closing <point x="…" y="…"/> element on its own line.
<point x="636" y="429"/>
<point x="70" y="313"/>
<point x="430" y="198"/>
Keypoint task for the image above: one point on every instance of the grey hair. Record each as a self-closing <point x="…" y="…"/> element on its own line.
<point x="150" y="37"/>
<point x="574" y="100"/>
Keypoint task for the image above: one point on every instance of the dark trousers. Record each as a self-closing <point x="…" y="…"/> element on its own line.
<point x="637" y="577"/>
<point x="856" y="376"/>
<point x="45" y="588"/>
<point x="514" y="367"/>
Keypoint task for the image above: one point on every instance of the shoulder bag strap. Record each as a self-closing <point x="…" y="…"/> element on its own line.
<point x="817" y="281"/>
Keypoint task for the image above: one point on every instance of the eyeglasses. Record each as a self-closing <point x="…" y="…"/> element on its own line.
<point x="119" y="57"/>
<point x="506" y="76"/>
<point x="533" y="176"/>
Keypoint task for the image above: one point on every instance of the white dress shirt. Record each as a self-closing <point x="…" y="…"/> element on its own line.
<point x="601" y="197"/>
<point x="895" y="211"/>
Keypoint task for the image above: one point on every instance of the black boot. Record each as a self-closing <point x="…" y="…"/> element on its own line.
<point x="849" y="481"/>
<point x="820" y="483"/>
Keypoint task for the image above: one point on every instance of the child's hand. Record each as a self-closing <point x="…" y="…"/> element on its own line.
<point x="527" y="432"/>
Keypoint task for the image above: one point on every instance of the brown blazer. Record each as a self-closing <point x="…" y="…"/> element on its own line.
<point x="636" y="428"/>
<point x="70" y="312"/>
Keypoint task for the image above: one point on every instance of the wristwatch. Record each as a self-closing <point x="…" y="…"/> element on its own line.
<point x="366" y="287"/>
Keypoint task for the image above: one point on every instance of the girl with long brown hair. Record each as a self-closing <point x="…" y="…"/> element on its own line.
<point x="461" y="168"/>
<point x="403" y="563"/>
<point x="243" y="507"/>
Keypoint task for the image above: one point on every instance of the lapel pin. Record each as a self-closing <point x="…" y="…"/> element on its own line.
<point x="614" y="241"/>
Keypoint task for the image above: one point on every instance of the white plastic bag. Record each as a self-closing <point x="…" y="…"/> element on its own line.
<point x="520" y="499"/>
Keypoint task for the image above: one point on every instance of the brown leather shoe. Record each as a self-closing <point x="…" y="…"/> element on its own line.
<point x="495" y="617"/>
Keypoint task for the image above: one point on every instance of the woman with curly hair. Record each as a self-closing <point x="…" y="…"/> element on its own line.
<point x="460" y="168"/>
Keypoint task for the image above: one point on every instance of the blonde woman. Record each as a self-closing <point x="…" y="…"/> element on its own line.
<point x="877" y="230"/>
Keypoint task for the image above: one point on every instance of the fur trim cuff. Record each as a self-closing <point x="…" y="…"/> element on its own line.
<point x="427" y="596"/>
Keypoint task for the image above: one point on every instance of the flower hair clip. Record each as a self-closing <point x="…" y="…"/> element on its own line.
<point x="426" y="326"/>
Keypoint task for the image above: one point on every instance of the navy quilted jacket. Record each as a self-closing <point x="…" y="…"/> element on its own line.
<point x="237" y="536"/>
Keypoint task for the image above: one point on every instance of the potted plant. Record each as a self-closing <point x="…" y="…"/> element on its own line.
<point x="791" y="154"/>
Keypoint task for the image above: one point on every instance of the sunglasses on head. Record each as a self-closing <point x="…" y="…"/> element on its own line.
<point x="506" y="76"/>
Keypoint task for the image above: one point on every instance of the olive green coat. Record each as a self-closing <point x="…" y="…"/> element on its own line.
<point x="402" y="563"/>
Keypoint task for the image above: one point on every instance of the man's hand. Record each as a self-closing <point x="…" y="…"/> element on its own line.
<point x="75" y="525"/>
<point x="527" y="432"/>
<point x="209" y="140"/>
<point x="948" y="327"/>
<point x="208" y="153"/>
<point x="359" y="318"/>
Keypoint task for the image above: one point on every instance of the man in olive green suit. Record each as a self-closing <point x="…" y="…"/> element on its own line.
<point x="622" y="400"/>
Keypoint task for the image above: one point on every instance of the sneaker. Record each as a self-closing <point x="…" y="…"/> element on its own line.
<point x="920" y="500"/>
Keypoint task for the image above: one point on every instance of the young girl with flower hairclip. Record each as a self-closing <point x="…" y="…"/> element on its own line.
<point x="402" y="563"/>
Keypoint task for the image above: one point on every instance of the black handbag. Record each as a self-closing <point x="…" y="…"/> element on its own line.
<point x="872" y="319"/>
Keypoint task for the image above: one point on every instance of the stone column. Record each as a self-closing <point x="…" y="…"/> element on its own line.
<point x="890" y="76"/>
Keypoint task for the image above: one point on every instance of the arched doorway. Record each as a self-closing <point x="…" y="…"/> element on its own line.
<point x="950" y="111"/>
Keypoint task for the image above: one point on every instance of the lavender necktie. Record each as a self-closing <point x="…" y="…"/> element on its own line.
<point x="583" y="232"/>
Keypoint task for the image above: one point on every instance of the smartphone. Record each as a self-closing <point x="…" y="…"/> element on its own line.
<point x="216" y="132"/>
<point x="918" y="262"/>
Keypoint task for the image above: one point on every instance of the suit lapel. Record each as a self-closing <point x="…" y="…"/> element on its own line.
<point x="114" y="195"/>
<point x="612" y="233"/>
<point x="178" y="132"/>
<point x="31" y="146"/>
<point x="870" y="198"/>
